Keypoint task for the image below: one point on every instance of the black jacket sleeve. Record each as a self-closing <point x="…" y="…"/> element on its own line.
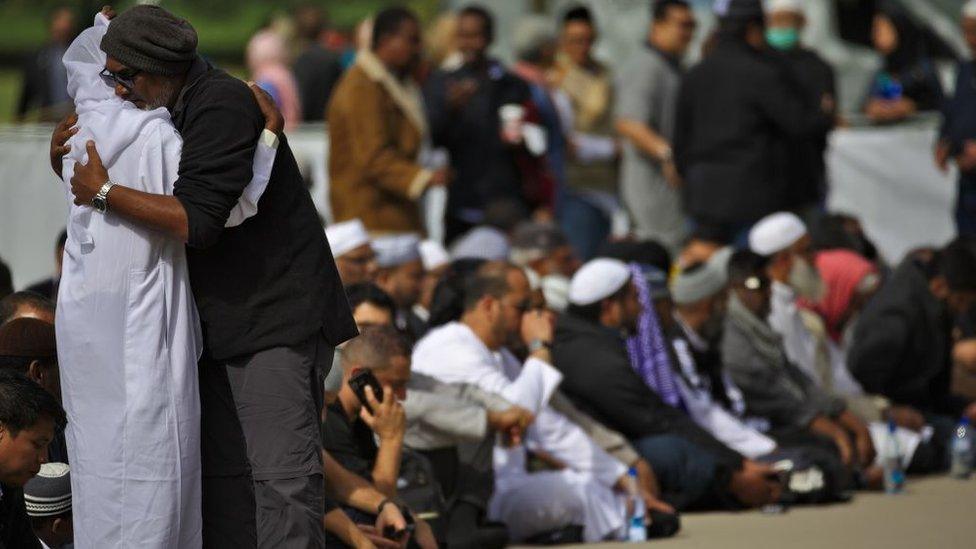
<point x="220" y="133"/>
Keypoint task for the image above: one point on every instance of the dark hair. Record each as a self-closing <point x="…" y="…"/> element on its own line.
<point x="644" y="252"/>
<point x="62" y="239"/>
<point x="16" y="300"/>
<point x="487" y="20"/>
<point x="367" y="292"/>
<point x="23" y="403"/>
<point x="744" y="264"/>
<point x="659" y="11"/>
<point x="447" y="305"/>
<point x="592" y="311"/>
<point x="387" y="23"/>
<point x="374" y="347"/>
<point x="310" y="21"/>
<point x="736" y="28"/>
<point x="491" y="279"/>
<point x="957" y="263"/>
<point x="578" y="14"/>
<point x="505" y="214"/>
<point x="6" y="283"/>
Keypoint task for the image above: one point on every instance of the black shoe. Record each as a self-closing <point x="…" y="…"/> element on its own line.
<point x="663" y="525"/>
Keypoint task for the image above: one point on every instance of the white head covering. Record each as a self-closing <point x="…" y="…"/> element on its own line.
<point x="118" y="122"/>
<point x="433" y="255"/>
<point x="556" y="290"/>
<point x="704" y="282"/>
<point x="395" y="250"/>
<point x="484" y="242"/>
<point x="598" y="280"/>
<point x="969" y="9"/>
<point x="793" y="6"/>
<point x="776" y="232"/>
<point x="346" y="236"/>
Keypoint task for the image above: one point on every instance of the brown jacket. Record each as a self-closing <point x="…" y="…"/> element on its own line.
<point x="376" y="127"/>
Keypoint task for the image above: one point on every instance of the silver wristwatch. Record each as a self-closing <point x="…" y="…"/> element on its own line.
<point x="538" y="345"/>
<point x="100" y="200"/>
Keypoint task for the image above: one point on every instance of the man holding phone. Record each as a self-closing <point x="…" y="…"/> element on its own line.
<point x="375" y="373"/>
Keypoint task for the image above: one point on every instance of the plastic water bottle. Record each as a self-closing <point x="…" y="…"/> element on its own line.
<point x="636" y="529"/>
<point x="962" y="451"/>
<point x="894" y="474"/>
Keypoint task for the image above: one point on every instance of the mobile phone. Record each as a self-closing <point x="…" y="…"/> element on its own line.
<point x="358" y="383"/>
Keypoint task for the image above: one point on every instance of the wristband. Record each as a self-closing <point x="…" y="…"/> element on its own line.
<point x="384" y="503"/>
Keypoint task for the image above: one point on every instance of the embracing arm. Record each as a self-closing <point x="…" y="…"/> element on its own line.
<point x="163" y="213"/>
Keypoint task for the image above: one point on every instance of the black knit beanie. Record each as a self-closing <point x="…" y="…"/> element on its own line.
<point x="151" y="39"/>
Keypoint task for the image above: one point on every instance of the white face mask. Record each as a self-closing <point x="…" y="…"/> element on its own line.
<point x="805" y="279"/>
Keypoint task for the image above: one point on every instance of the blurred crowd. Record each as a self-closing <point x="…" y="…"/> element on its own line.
<point x="588" y="296"/>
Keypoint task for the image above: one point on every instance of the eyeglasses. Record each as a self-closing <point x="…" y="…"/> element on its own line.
<point x="522" y="307"/>
<point x="126" y="79"/>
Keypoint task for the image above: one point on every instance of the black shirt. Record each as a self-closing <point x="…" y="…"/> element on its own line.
<point x="316" y="71"/>
<point x="599" y="378"/>
<point x="351" y="443"/>
<point x="271" y="281"/>
<point x="486" y="167"/>
<point x="15" y="528"/>
<point x="736" y="112"/>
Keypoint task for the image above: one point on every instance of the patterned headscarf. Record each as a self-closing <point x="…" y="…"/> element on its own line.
<point x="648" y="349"/>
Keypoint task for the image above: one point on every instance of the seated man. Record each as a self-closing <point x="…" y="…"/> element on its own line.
<point x="28" y="346"/>
<point x="29" y="417"/>
<point x="695" y="469"/>
<point x="475" y="350"/>
<point x="545" y="249"/>
<point x="774" y="388"/>
<point x="353" y="427"/>
<point x="711" y="398"/>
<point x="353" y="252"/>
<point x="48" y="500"/>
<point x="401" y="275"/>
<point x="901" y="343"/>
<point x="26" y="305"/>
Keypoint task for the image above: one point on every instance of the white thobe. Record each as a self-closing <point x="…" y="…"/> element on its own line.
<point x="128" y="334"/>
<point x="531" y="503"/>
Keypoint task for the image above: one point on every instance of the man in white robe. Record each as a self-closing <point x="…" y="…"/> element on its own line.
<point x="589" y="491"/>
<point x="128" y="331"/>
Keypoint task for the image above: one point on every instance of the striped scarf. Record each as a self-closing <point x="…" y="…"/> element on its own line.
<point x="648" y="352"/>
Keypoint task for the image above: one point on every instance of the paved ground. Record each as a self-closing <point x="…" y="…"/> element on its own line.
<point x="935" y="513"/>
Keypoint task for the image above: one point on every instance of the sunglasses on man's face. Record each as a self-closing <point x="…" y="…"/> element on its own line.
<point x="125" y="78"/>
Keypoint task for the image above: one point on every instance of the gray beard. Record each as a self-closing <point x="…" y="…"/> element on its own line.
<point x="162" y="99"/>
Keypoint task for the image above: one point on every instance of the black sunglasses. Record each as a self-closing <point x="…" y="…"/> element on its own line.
<point x="126" y="80"/>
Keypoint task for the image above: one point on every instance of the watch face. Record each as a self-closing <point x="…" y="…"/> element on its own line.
<point x="99" y="204"/>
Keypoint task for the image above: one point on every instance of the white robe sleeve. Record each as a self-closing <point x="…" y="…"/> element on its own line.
<point x="453" y="360"/>
<point x="264" y="158"/>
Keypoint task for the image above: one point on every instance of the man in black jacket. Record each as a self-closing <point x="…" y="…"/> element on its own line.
<point x="737" y="112"/>
<point x="902" y="342"/>
<point x="270" y="300"/>
<point x="463" y="105"/>
<point x="694" y="469"/>
<point x="29" y="416"/>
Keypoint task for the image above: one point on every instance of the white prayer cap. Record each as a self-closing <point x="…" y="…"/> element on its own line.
<point x="969" y="9"/>
<point x="776" y="232"/>
<point x="703" y="281"/>
<point x="396" y="249"/>
<point x="598" y="280"/>
<point x="433" y="254"/>
<point x="483" y="242"/>
<point x="556" y="290"/>
<point x="792" y="6"/>
<point x="346" y="236"/>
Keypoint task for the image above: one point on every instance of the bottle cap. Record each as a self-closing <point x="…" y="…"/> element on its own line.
<point x="632" y="471"/>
